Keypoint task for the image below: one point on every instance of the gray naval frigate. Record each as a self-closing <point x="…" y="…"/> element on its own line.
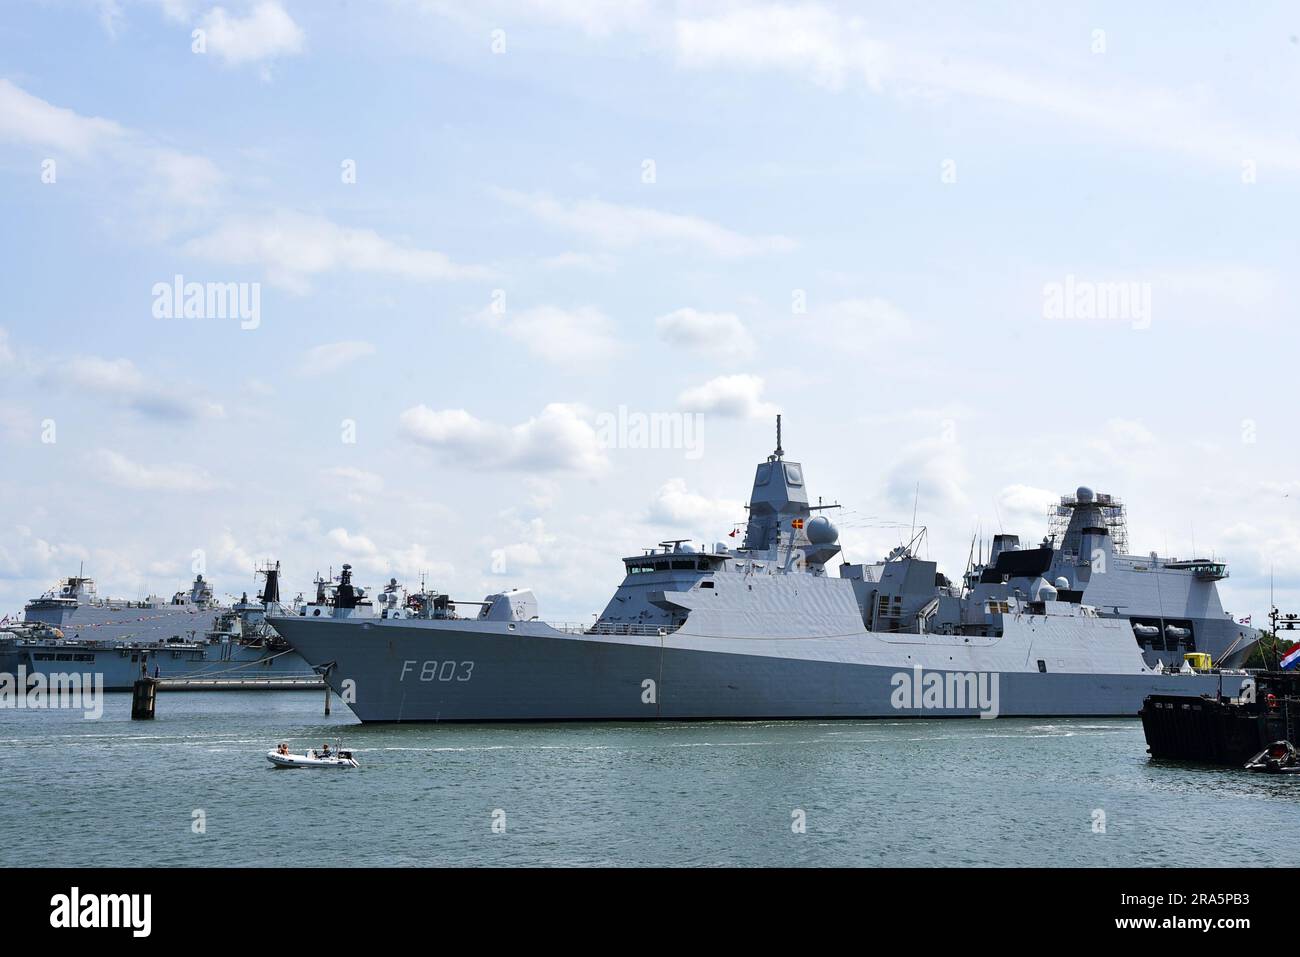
<point x="192" y="635"/>
<point x="759" y="631"/>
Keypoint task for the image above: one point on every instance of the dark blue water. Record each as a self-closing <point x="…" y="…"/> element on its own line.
<point x="954" y="792"/>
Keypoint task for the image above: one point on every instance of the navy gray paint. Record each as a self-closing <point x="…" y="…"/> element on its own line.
<point x="760" y="631"/>
<point x="70" y="628"/>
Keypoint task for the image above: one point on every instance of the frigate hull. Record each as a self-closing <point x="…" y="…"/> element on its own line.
<point x="466" y="671"/>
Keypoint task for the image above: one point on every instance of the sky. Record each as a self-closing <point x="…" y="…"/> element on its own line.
<point x="525" y="283"/>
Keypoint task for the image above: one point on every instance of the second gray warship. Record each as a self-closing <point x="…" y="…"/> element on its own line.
<point x="759" y="631"/>
<point x="191" y="636"/>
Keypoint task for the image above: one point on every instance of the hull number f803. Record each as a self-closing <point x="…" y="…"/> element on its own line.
<point x="437" y="670"/>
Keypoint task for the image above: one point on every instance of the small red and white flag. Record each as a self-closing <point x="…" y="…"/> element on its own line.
<point x="1291" y="658"/>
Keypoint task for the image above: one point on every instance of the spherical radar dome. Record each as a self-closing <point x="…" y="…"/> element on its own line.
<point x="820" y="531"/>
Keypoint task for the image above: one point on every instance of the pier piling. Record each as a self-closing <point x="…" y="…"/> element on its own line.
<point x="144" y="695"/>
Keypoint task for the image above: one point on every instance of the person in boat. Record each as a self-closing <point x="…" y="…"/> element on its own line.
<point x="325" y="751"/>
<point x="284" y="748"/>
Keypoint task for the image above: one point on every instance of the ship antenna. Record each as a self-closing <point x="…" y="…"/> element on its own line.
<point x="779" y="451"/>
<point x="915" y="501"/>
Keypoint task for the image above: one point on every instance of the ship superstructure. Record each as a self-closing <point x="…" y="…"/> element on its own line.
<point x="1173" y="605"/>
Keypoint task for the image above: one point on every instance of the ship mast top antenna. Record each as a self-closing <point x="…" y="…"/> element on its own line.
<point x="779" y="451"/>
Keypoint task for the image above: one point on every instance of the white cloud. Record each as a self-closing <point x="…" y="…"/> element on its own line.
<point x="595" y="18"/>
<point x="331" y="356"/>
<point x="25" y="555"/>
<point x="292" y="247"/>
<point x="119" y="470"/>
<point x="718" y="334"/>
<point x="120" y="380"/>
<point x="372" y="560"/>
<point x="177" y="11"/>
<point x="733" y="396"/>
<point x="930" y="473"/>
<point x="833" y="49"/>
<point x="111" y="14"/>
<point x="267" y="32"/>
<point x="104" y="375"/>
<point x="621" y="226"/>
<point x="408" y="563"/>
<point x="229" y="556"/>
<point x="525" y="553"/>
<point x="178" y="177"/>
<point x="358" y="479"/>
<point x="558" y="439"/>
<point x="1024" y="509"/>
<point x="29" y="119"/>
<point x="515" y="555"/>
<point x="807" y="39"/>
<point x="676" y="505"/>
<point x="354" y="485"/>
<point x="185" y="178"/>
<point x="1129" y="432"/>
<point x="558" y="335"/>
<point x="358" y="545"/>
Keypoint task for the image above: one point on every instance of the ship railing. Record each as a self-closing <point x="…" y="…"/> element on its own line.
<point x="610" y="628"/>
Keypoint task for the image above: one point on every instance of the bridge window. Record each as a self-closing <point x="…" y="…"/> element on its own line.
<point x="1042" y="666"/>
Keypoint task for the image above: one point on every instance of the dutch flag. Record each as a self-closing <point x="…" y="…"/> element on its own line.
<point x="1291" y="658"/>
